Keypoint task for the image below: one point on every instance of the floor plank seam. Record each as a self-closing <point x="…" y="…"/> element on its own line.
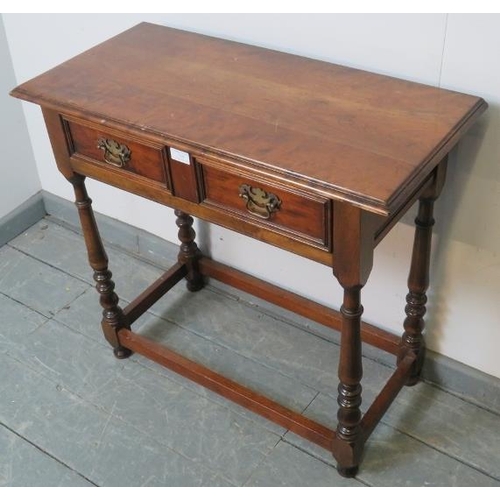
<point x="212" y="288"/>
<point x="457" y="395"/>
<point x="310" y="402"/>
<point x="100" y="342"/>
<point x="45" y="452"/>
<point x="139" y="430"/>
<point x="442" y="451"/>
<point x="364" y="482"/>
<point x="171" y="379"/>
<point x="47" y="318"/>
<point x="260" y="308"/>
<point x="52" y="266"/>
<point x="246" y="414"/>
<point x="106" y="412"/>
<point x="414" y="437"/>
<point x="257" y="423"/>
<point x="283" y="319"/>
<point x="264" y="458"/>
<point x="164" y="372"/>
<point x="230" y="348"/>
<point x="68" y="305"/>
<point x="213" y="341"/>
<point x="62" y="223"/>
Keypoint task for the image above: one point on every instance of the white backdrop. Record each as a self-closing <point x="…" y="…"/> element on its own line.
<point x="458" y="52"/>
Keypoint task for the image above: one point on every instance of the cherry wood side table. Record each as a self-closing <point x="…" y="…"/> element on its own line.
<point x="318" y="159"/>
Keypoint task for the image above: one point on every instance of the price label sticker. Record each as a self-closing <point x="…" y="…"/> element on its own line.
<point x="180" y="156"/>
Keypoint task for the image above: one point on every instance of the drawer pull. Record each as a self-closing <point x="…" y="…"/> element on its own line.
<point x="114" y="153"/>
<point x="259" y="202"/>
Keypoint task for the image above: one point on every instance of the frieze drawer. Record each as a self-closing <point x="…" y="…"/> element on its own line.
<point x="298" y="214"/>
<point x="112" y="149"/>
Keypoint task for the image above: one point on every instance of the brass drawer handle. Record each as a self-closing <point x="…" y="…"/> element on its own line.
<point x="259" y="202"/>
<point x="114" y="153"/>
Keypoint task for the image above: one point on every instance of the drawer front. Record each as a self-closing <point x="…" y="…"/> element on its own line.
<point x="112" y="149"/>
<point x="300" y="215"/>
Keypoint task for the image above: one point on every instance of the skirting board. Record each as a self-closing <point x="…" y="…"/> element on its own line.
<point x="452" y="376"/>
<point x="21" y="218"/>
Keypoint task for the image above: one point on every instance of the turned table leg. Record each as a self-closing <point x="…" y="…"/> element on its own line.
<point x="113" y="318"/>
<point x="418" y="280"/>
<point x="418" y="283"/>
<point x="189" y="253"/>
<point x="353" y="249"/>
<point x="349" y="389"/>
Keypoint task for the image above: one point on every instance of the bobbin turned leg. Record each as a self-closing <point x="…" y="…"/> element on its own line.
<point x="353" y="249"/>
<point x="418" y="279"/>
<point x="349" y="389"/>
<point x="418" y="283"/>
<point x="113" y="318"/>
<point x="189" y="253"/>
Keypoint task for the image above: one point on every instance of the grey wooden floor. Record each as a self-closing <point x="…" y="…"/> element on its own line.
<point x="73" y="415"/>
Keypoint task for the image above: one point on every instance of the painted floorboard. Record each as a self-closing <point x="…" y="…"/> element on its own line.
<point x="393" y="458"/>
<point x="83" y="316"/>
<point x="40" y="287"/>
<point x="288" y="466"/>
<point x="107" y="451"/>
<point x="156" y="407"/>
<point x="16" y="321"/>
<point x="22" y="464"/>
<point x="134" y="423"/>
<point x="65" y="250"/>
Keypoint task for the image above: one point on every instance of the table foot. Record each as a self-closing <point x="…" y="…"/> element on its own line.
<point x="349" y="472"/>
<point x="121" y="352"/>
<point x="414" y="378"/>
<point x="194" y="286"/>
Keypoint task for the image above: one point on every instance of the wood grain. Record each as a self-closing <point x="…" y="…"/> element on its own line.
<point x="185" y="181"/>
<point x="153" y="191"/>
<point x="299" y="212"/>
<point x="357" y="135"/>
<point x="146" y="160"/>
<point x="341" y="153"/>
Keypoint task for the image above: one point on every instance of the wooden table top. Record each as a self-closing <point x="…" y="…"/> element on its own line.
<point x="352" y="134"/>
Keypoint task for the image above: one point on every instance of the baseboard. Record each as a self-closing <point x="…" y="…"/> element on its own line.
<point x="21" y="218"/>
<point x="452" y="376"/>
<point x="462" y="380"/>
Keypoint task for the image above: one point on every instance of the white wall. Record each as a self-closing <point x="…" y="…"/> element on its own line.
<point x="454" y="51"/>
<point x="18" y="175"/>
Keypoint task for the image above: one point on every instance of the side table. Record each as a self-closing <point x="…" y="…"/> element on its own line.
<point x="318" y="159"/>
